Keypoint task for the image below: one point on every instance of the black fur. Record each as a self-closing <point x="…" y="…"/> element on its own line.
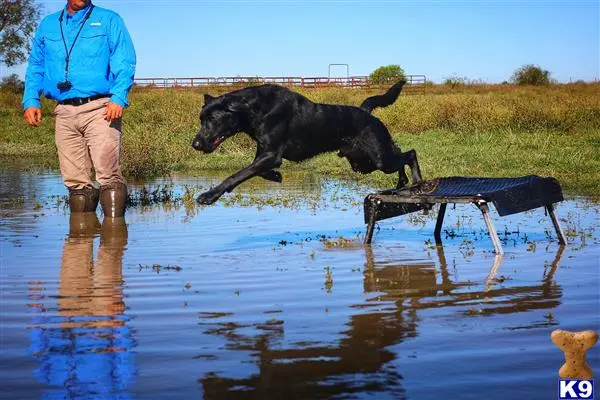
<point x="287" y="125"/>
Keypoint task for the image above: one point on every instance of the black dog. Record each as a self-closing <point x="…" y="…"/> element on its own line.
<point x="287" y="125"/>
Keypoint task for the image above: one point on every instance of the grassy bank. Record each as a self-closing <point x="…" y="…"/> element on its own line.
<point x="488" y="130"/>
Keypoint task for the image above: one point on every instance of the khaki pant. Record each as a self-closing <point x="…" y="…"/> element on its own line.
<point x="85" y="140"/>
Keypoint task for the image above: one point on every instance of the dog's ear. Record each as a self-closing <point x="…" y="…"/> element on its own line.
<point x="208" y="99"/>
<point x="237" y="106"/>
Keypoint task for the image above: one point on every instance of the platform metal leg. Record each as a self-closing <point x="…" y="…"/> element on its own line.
<point x="371" y="225"/>
<point x="490" y="225"/>
<point x="559" y="233"/>
<point x="438" y="224"/>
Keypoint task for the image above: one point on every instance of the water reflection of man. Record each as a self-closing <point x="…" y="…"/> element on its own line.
<point x="89" y="351"/>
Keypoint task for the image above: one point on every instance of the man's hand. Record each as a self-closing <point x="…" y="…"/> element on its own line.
<point x="33" y="116"/>
<point x="113" y="111"/>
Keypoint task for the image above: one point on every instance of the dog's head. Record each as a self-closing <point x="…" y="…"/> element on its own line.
<point x="220" y="118"/>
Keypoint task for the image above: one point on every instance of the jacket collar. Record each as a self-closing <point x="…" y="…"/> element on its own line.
<point x="77" y="15"/>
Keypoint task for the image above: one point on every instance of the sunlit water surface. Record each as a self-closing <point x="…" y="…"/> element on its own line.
<point x="269" y="293"/>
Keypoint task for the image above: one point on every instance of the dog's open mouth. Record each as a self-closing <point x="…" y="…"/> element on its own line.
<point x="217" y="142"/>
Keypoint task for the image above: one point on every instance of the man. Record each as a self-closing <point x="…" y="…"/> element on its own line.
<point x="83" y="57"/>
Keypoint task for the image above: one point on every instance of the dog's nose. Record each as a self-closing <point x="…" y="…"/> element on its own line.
<point x="196" y="144"/>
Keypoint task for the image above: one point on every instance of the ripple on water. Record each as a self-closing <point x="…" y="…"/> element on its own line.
<point x="270" y="294"/>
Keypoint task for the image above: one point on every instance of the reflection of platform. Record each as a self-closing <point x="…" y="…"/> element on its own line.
<point x="509" y="195"/>
<point x="425" y="289"/>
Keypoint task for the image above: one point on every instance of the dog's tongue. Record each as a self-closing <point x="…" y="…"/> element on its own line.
<point x="217" y="142"/>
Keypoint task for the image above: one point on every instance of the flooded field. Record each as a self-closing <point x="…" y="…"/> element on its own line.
<point x="270" y="293"/>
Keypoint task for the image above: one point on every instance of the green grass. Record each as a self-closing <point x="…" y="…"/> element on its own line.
<point x="485" y="130"/>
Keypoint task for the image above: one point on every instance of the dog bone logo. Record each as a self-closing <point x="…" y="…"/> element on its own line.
<point x="574" y="345"/>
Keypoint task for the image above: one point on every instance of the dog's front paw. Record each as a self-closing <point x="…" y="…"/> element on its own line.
<point x="276" y="176"/>
<point x="272" y="175"/>
<point x="209" y="197"/>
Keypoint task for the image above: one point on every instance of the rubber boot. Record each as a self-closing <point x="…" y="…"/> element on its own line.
<point x="113" y="198"/>
<point x="83" y="200"/>
<point x="83" y="224"/>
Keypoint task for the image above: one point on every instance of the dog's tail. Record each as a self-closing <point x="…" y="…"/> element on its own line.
<point x="383" y="100"/>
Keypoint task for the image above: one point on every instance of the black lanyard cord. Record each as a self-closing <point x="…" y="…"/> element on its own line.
<point x="62" y="35"/>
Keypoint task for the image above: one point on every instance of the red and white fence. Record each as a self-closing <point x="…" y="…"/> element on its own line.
<point x="416" y="83"/>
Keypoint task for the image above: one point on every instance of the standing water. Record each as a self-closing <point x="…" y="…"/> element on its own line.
<point x="270" y="293"/>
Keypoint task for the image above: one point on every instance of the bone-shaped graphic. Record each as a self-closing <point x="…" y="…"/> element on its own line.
<point x="574" y="345"/>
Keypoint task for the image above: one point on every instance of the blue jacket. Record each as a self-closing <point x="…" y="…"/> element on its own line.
<point x="102" y="60"/>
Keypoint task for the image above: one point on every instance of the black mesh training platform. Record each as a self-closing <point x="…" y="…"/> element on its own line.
<point x="509" y="196"/>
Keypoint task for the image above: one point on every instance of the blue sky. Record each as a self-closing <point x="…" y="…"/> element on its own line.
<point x="477" y="39"/>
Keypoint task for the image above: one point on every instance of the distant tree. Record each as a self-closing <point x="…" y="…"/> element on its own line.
<point x="386" y="74"/>
<point x="18" y="21"/>
<point x="12" y="83"/>
<point x="455" y="81"/>
<point x="531" y="75"/>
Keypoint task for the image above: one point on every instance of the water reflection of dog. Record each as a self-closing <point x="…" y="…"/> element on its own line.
<point x="361" y="361"/>
<point x="87" y="351"/>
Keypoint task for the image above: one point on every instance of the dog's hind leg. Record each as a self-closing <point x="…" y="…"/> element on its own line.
<point x="410" y="159"/>
<point x="396" y="161"/>
<point x="402" y="178"/>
